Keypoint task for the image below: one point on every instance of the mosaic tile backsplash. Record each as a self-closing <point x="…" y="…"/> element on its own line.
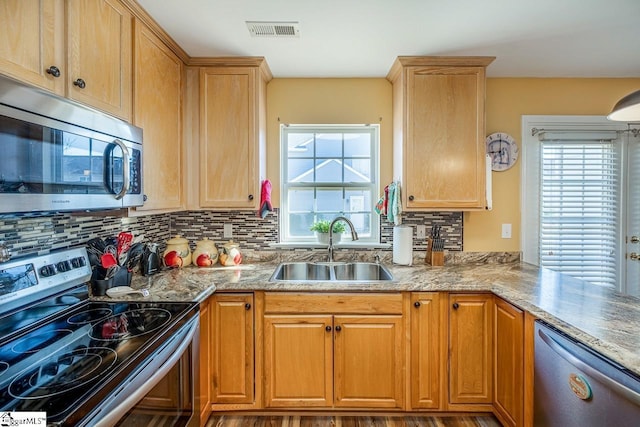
<point x="37" y="233"/>
<point x="32" y="234"/>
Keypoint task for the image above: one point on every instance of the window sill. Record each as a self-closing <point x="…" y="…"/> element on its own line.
<point x="341" y="245"/>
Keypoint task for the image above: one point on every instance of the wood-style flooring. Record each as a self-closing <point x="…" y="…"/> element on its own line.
<point x="350" y="421"/>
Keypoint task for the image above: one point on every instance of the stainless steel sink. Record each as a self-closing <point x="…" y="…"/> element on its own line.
<point x="301" y="271"/>
<point x="361" y="272"/>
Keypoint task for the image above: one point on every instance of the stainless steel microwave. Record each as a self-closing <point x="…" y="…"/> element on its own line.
<point x="58" y="155"/>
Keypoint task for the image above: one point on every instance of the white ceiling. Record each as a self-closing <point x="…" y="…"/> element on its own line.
<point x="361" y="38"/>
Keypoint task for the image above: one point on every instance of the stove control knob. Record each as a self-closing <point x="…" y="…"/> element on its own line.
<point x="48" y="270"/>
<point x="63" y="266"/>
<point x="78" y="262"/>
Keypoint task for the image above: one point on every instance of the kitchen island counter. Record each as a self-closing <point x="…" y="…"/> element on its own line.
<point x="601" y="318"/>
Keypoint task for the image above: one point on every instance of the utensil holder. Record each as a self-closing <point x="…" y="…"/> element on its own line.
<point x="433" y="258"/>
<point x="99" y="286"/>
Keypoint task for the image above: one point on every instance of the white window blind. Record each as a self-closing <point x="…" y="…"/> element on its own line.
<point x="580" y="194"/>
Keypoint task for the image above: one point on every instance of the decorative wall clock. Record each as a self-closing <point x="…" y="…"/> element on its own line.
<point x="503" y="151"/>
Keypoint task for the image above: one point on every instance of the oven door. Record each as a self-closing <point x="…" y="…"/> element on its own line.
<point x="161" y="391"/>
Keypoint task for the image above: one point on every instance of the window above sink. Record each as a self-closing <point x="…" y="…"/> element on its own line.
<point x="329" y="171"/>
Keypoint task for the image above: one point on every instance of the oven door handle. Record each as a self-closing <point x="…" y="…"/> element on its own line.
<point x="132" y="397"/>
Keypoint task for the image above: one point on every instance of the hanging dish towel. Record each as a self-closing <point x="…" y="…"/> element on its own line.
<point x="381" y="206"/>
<point x="265" y="199"/>
<point x="394" y="209"/>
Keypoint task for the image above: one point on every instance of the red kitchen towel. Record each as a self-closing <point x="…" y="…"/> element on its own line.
<point x="265" y="199"/>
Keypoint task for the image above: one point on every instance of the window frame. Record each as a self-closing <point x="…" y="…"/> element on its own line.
<point x="373" y="186"/>
<point x="530" y="181"/>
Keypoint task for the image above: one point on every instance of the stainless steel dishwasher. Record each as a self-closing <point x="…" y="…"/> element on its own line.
<point x="576" y="386"/>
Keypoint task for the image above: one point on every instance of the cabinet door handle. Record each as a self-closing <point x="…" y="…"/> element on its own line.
<point x="338" y="328"/>
<point x="456" y="305"/>
<point x="411" y="198"/>
<point x="247" y="306"/>
<point x="80" y="83"/>
<point x="54" y="71"/>
<point x="327" y="328"/>
<point x="416" y="304"/>
<point x="250" y="196"/>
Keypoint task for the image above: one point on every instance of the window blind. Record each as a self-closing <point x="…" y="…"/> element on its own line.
<point x="579" y="207"/>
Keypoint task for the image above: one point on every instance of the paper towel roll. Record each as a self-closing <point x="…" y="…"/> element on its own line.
<point x="403" y="244"/>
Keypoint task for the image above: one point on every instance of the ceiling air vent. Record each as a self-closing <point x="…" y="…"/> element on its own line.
<point x="274" y="29"/>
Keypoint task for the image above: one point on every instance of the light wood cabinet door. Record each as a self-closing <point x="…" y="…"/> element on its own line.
<point x="32" y="41"/>
<point x="368" y="361"/>
<point x="298" y="360"/>
<point x="509" y="363"/>
<point x="470" y="348"/>
<point x="99" y="54"/>
<point x="158" y="111"/>
<point x="439" y="148"/>
<point x="427" y="346"/>
<point x="205" y="380"/>
<point x="231" y="136"/>
<point x="232" y="368"/>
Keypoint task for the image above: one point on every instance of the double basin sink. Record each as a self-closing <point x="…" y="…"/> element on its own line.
<point x="350" y="272"/>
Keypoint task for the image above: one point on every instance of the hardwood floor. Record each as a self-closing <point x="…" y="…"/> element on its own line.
<point x="350" y="421"/>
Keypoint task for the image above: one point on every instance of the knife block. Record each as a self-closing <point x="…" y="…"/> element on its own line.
<point x="433" y="258"/>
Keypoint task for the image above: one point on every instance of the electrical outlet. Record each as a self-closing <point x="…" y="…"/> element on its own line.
<point x="506" y="231"/>
<point x="228" y="231"/>
<point x="421" y="231"/>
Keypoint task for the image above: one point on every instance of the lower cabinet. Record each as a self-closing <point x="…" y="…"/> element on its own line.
<point x="420" y="351"/>
<point x="334" y="358"/>
<point x="470" y="349"/>
<point x="509" y="363"/>
<point x="298" y="353"/>
<point x="232" y="347"/>
<point x="428" y="350"/>
<point x="204" y="379"/>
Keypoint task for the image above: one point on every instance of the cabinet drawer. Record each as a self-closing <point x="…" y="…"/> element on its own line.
<point x="291" y="302"/>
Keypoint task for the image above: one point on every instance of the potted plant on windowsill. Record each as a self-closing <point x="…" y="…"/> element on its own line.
<point x="321" y="229"/>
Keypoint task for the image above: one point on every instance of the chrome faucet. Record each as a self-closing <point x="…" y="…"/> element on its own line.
<point x="354" y="235"/>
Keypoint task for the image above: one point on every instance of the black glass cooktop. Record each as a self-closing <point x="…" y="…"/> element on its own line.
<point x="70" y="359"/>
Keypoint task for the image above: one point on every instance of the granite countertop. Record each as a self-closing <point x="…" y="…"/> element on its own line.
<point x="601" y="318"/>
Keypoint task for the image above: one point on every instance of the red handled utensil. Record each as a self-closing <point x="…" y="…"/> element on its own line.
<point x="108" y="260"/>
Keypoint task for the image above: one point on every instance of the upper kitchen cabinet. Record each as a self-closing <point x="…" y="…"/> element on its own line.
<point x="439" y="131"/>
<point x="99" y="55"/>
<point x="158" y="94"/>
<point x="32" y="45"/>
<point x="232" y="132"/>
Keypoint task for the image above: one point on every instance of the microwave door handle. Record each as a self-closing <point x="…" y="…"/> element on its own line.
<point x="125" y="169"/>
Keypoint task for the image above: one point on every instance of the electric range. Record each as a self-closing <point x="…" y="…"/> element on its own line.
<point x="63" y="354"/>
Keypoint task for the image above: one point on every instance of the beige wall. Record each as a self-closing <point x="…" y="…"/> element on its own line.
<point x="307" y="101"/>
<point x="507" y="101"/>
<point x="327" y="101"/>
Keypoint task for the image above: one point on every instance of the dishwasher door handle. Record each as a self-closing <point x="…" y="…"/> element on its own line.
<point x="590" y="370"/>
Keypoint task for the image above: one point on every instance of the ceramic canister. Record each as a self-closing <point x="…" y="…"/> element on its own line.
<point x="205" y="254"/>
<point x="230" y="254"/>
<point x="177" y="253"/>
